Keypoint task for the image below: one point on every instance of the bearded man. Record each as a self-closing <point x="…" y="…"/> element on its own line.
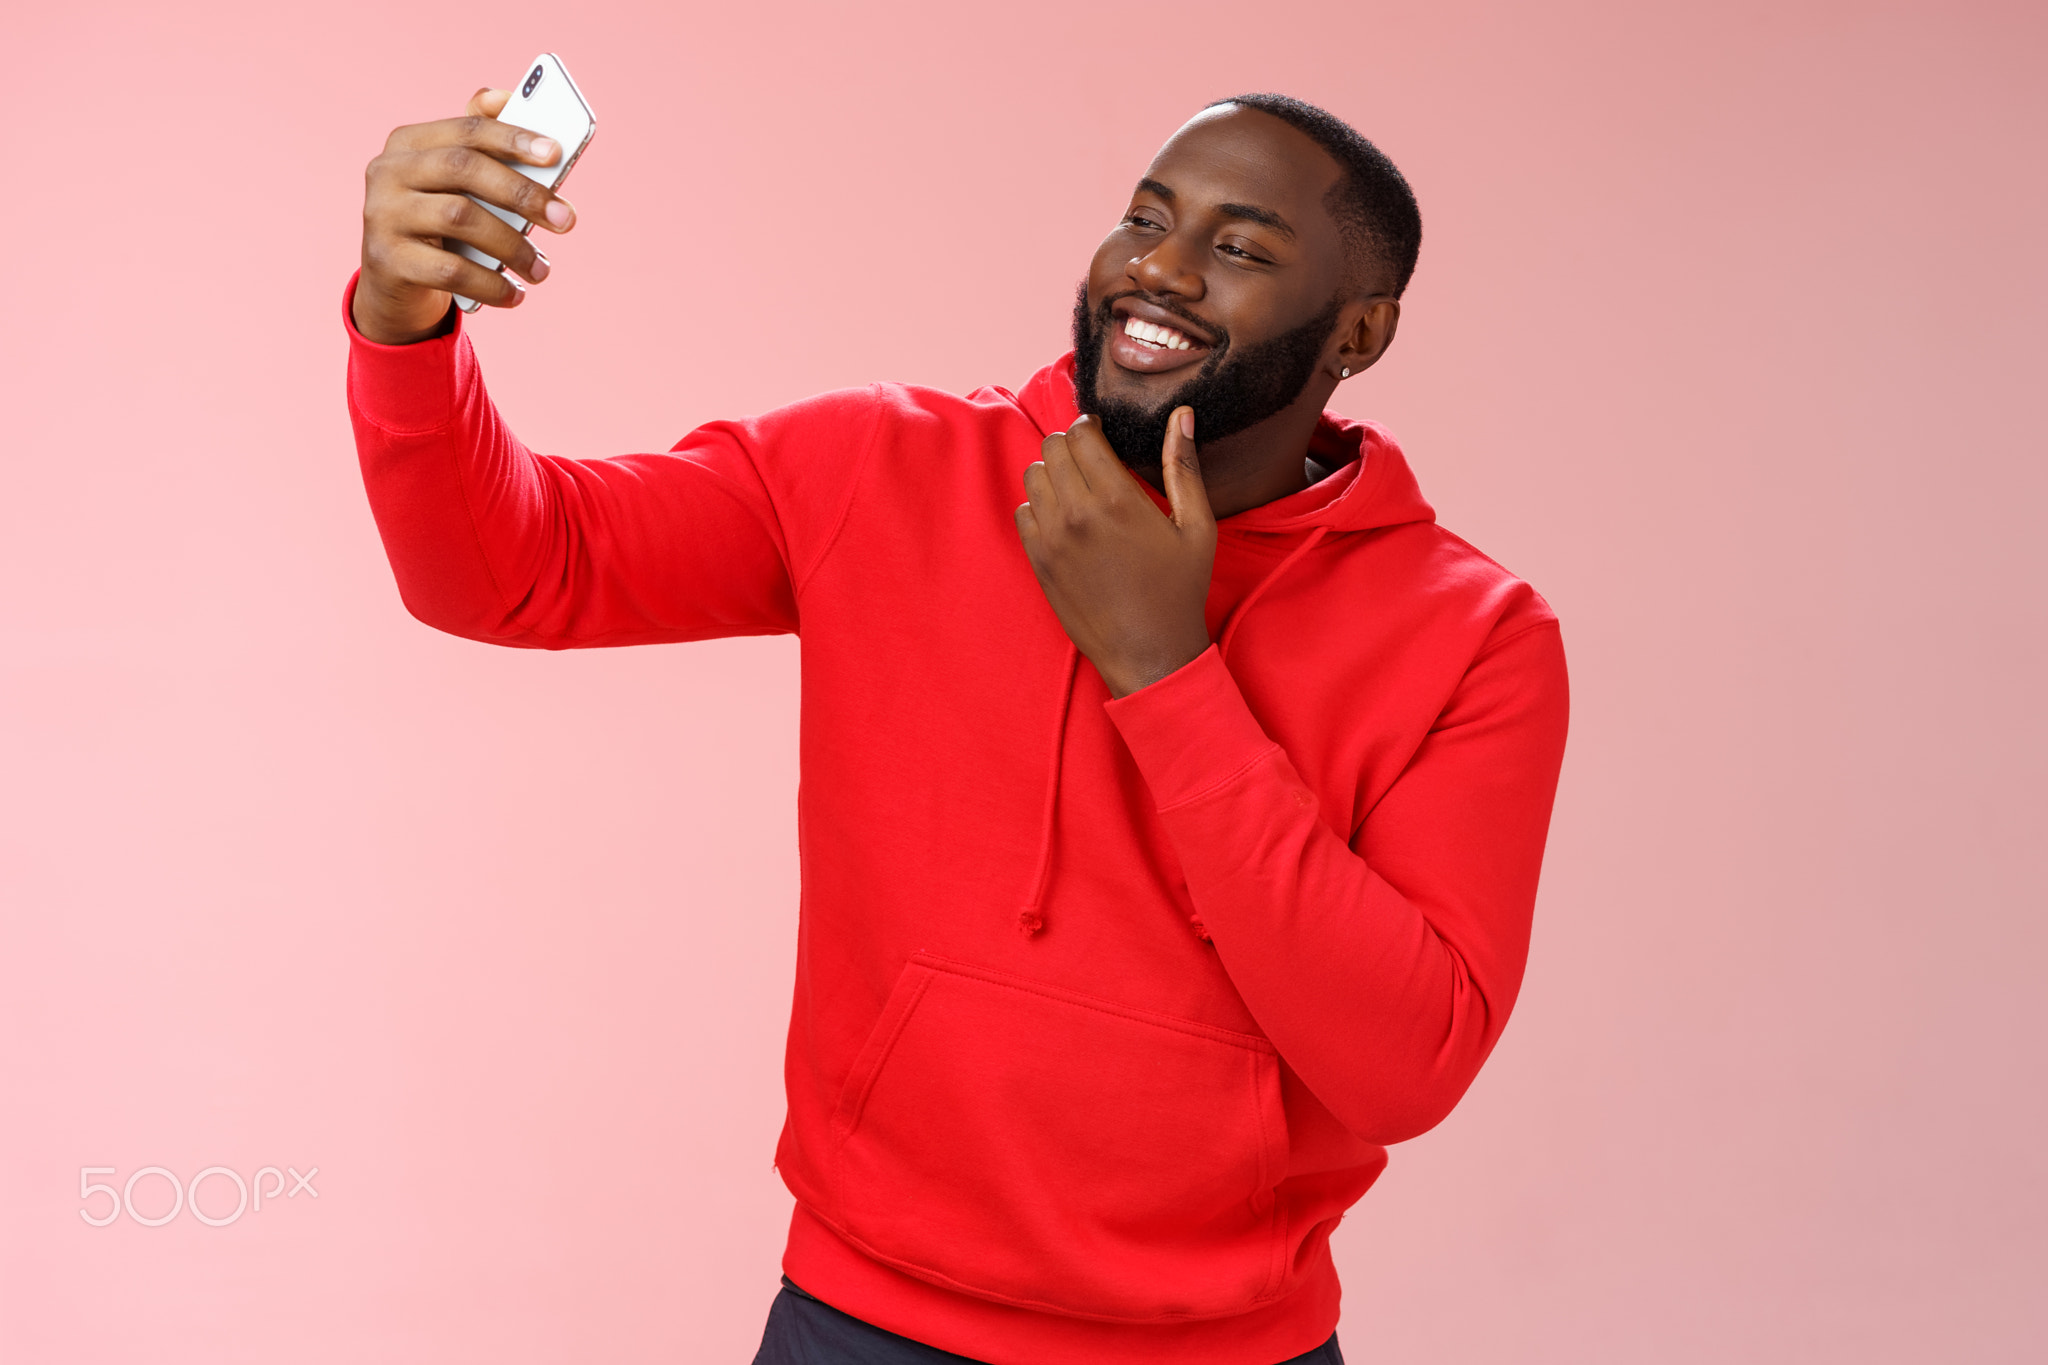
<point x="1174" y="789"/>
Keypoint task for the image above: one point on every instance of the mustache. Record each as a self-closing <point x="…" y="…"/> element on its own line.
<point x="1170" y="304"/>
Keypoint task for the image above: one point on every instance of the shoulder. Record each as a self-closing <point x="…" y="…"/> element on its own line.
<point x="1450" y="575"/>
<point x="918" y="408"/>
<point x="913" y="431"/>
<point x="910" y="411"/>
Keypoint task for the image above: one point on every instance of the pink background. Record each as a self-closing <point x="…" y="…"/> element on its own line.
<point x="1727" y="334"/>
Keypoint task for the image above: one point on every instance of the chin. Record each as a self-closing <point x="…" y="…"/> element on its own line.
<point x="1113" y="385"/>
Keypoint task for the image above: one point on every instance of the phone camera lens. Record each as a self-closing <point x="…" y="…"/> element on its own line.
<point x="526" y="91"/>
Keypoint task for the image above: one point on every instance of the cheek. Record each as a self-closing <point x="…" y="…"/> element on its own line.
<point x="1252" y="310"/>
<point x="1106" y="271"/>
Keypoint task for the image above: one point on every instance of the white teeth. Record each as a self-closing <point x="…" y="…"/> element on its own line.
<point x="1163" y="337"/>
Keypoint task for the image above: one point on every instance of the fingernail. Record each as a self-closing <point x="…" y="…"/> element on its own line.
<point x="542" y="148"/>
<point x="1187" y="423"/>
<point x="540" y="267"/>
<point x="559" y="213"/>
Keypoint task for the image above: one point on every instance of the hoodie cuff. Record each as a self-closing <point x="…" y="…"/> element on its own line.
<point x="408" y="388"/>
<point x="1191" y="732"/>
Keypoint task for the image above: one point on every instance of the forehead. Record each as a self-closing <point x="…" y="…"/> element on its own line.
<point x="1231" y="154"/>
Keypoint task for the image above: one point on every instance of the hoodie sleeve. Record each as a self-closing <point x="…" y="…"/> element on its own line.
<point x="1382" y="970"/>
<point x="491" y="541"/>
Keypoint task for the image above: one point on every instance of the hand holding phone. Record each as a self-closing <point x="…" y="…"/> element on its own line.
<point x="548" y="103"/>
<point x="422" y="201"/>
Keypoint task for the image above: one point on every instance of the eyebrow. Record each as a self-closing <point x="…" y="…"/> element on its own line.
<point x="1251" y="213"/>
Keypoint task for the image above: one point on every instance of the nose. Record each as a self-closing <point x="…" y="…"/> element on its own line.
<point x="1165" y="269"/>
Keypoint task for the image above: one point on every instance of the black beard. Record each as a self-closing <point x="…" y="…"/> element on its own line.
<point x="1229" y="393"/>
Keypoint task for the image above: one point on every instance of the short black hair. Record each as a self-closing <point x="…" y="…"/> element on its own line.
<point x="1373" y="206"/>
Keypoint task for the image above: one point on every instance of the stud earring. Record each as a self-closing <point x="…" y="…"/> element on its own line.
<point x="1346" y="374"/>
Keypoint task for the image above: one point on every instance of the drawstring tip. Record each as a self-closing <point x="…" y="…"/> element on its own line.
<point x="1029" y="922"/>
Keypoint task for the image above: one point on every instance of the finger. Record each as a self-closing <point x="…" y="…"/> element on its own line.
<point x="1044" y="499"/>
<point x="465" y="170"/>
<point x="1182" y="467"/>
<point x="1095" y="458"/>
<point x="457" y="217"/>
<point x="1034" y="545"/>
<point x="1068" y="482"/>
<point x="504" y="141"/>
<point x="488" y="102"/>
<point x="417" y="263"/>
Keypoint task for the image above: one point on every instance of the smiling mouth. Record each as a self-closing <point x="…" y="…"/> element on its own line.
<point x="1160" y="338"/>
<point x="1149" y="346"/>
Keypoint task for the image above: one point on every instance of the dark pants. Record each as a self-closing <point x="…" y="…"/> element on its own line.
<point x="802" y="1331"/>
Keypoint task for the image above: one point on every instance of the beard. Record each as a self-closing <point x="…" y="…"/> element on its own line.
<point x="1233" y="389"/>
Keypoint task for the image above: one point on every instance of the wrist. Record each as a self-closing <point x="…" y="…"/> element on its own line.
<point x="1125" y="676"/>
<point x="385" y="329"/>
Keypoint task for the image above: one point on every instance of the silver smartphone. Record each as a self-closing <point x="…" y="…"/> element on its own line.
<point x="546" y="101"/>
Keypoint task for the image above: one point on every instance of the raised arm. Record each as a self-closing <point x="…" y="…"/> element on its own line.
<point x="491" y="541"/>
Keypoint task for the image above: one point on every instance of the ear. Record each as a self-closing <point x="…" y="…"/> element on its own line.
<point x="1366" y="327"/>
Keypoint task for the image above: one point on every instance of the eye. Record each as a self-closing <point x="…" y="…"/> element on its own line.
<point x="1137" y="218"/>
<point x="1240" y="253"/>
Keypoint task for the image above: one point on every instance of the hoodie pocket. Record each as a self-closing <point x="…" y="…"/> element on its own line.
<point x="1035" y="1146"/>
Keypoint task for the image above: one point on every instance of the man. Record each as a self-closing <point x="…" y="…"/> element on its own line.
<point x="1174" y="789"/>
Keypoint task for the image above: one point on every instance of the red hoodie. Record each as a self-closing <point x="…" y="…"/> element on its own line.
<point x="1105" y="1010"/>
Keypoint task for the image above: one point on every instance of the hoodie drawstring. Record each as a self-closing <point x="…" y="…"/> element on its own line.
<point x="1031" y="919"/>
<point x="1308" y="542"/>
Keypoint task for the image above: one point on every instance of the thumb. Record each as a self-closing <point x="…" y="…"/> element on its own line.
<point x="1182" y="469"/>
<point x="488" y="102"/>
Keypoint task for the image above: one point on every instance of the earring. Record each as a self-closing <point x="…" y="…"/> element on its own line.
<point x="1346" y="374"/>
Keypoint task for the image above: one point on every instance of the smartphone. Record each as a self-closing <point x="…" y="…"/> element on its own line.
<point x="546" y="101"/>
